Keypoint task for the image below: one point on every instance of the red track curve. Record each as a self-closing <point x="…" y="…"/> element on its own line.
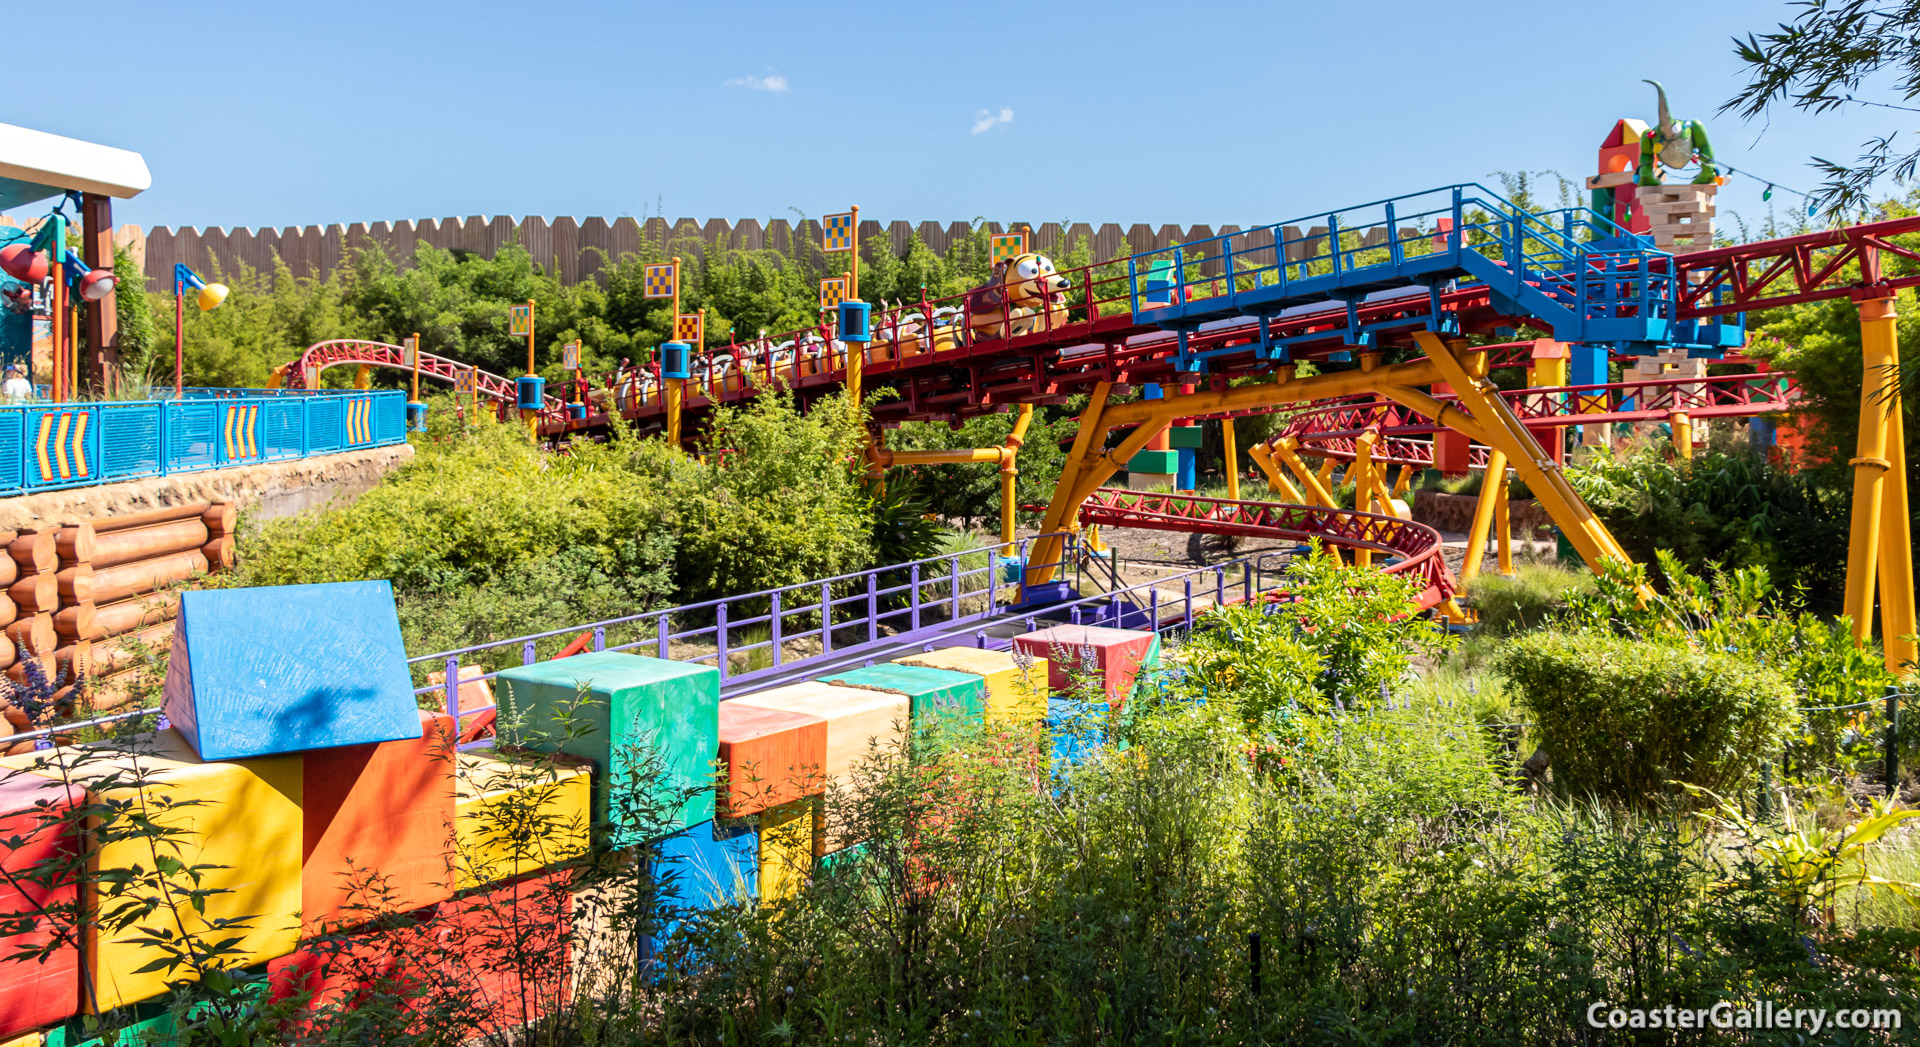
<point x="323" y="355"/>
<point x="1417" y="545"/>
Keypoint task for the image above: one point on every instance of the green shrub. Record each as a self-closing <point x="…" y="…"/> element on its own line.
<point x="1622" y="719"/>
<point x="1535" y="593"/>
<point x="1358" y="623"/>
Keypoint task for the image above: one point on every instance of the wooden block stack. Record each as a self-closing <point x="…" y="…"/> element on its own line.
<point x="115" y="584"/>
<point x="1682" y="216"/>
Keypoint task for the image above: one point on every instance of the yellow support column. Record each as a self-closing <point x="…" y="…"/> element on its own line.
<point x="363" y="376"/>
<point x="1503" y="526"/>
<point x="1494" y="424"/>
<point x="1009" y="472"/>
<point x="1401" y="485"/>
<point x="1315" y="485"/>
<point x="1277" y="484"/>
<point x="1879" y="548"/>
<point x="1064" y="507"/>
<point x="1483" y="509"/>
<point x="1682" y="425"/>
<point x="676" y="395"/>
<point x="1361" y="473"/>
<point x="1233" y="458"/>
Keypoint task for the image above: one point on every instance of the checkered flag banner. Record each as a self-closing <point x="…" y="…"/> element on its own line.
<point x="686" y="328"/>
<point x="836" y="232"/>
<point x="1007" y="246"/>
<point x="659" y="280"/>
<point x="833" y="291"/>
<point x="520" y="323"/>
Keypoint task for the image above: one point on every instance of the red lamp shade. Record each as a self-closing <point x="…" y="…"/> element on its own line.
<point x="96" y="285"/>
<point x="23" y="263"/>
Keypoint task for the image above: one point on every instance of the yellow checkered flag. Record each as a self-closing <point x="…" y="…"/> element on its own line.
<point x="833" y="291"/>
<point x="1007" y="246"/>
<point x="687" y="328"/>
<point x="520" y="323"/>
<point x="836" y="232"/>
<point x="658" y="280"/>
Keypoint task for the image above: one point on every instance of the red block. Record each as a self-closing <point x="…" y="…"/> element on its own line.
<point x="772" y="757"/>
<point x="1114" y="655"/>
<point x="490" y="960"/>
<point x="33" y="994"/>
<point x="385" y="808"/>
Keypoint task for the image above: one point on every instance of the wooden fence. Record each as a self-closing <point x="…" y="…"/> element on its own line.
<point x="577" y="250"/>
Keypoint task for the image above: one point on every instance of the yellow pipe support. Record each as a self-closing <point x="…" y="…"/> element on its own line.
<point x="1682" y="425"/>
<point x="1404" y="482"/>
<point x="363" y="376"/>
<point x="1063" y="507"/>
<point x="278" y="377"/>
<point x="1325" y="476"/>
<point x="1361" y="473"/>
<point x="1010" y="471"/>
<point x="1876" y="527"/>
<point x="1277" y="483"/>
<point x="676" y="398"/>
<point x="1503" y="525"/>
<point x="1270" y="394"/>
<point x="941" y="456"/>
<point x="1233" y="459"/>
<point x="1503" y="431"/>
<point x="1483" y="508"/>
<point x="1315" y="486"/>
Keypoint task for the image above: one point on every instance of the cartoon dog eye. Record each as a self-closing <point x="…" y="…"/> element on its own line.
<point x="1027" y="269"/>
<point x="1046" y="264"/>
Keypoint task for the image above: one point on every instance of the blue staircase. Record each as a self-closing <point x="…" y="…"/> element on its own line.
<point x="1571" y="270"/>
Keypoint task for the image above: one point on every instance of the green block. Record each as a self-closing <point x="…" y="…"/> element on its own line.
<point x="1184" y="436"/>
<point x="844" y="856"/>
<point x="672" y="708"/>
<point x="154" y="1032"/>
<point x="1154" y="462"/>
<point x="929" y="691"/>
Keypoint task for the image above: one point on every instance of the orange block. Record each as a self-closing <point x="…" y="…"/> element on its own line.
<point x="771" y="756"/>
<point x="383" y="810"/>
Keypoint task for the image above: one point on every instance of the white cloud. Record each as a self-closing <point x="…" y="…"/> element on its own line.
<point x="772" y="82"/>
<point x="988" y="120"/>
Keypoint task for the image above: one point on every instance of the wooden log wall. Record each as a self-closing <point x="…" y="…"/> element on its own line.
<point x="579" y="249"/>
<point x="85" y="599"/>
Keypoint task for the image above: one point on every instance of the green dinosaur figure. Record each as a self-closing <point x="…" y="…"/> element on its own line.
<point x="1674" y="143"/>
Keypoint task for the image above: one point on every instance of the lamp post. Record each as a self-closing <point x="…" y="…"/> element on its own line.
<point x="210" y="297"/>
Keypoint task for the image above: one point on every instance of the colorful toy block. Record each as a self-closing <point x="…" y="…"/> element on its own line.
<point x="505" y="950"/>
<point x="281" y="669"/>
<point x="705" y="867"/>
<point x="514" y="814"/>
<point x="1113" y="656"/>
<point x="1185" y="436"/>
<point x="240" y="820"/>
<point x="1078" y="729"/>
<point x="929" y="691"/>
<point x="635" y="704"/>
<point x="857" y="719"/>
<point x="1154" y="462"/>
<point x="771" y="757"/>
<point x="1016" y="686"/>
<point x="786" y="848"/>
<point x="385" y="809"/>
<point x="36" y="993"/>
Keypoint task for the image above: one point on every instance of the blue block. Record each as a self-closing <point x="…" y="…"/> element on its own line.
<point x="705" y="867"/>
<point x="1187" y="476"/>
<point x="283" y="669"/>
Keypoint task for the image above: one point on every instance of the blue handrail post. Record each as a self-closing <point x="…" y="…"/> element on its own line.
<point x="913" y="579"/>
<point x="528" y="655"/>
<point x="826" y="617"/>
<point x="773" y="626"/>
<point x="599" y="638"/>
<point x="873" y="606"/>
<point x="954" y="564"/>
<point x="1394" y="254"/>
<point x="1333" y="241"/>
<point x="1133" y="285"/>
<point x="665" y="637"/>
<point x="720" y="638"/>
<point x="452" y="684"/>
<point x="1189" y="587"/>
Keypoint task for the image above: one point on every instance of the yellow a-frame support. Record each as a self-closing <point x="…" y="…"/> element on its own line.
<point x="1480" y="413"/>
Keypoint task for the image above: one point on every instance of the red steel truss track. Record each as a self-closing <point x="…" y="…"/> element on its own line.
<point x="1417" y="547"/>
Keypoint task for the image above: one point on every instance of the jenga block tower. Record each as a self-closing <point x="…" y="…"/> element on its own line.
<point x="1681" y="216"/>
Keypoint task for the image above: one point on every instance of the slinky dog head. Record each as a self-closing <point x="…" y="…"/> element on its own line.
<point x="1031" y="281"/>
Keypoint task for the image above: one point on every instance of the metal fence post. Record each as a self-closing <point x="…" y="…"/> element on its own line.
<point x="453" y="690"/>
<point x="599" y="637"/>
<point x="913" y="578"/>
<point x="873" y="607"/>
<point x="773" y="624"/>
<point x="720" y="638"/>
<point x="665" y="645"/>
<point x="528" y="655"/>
<point x="826" y="617"/>
<point x="1893" y="740"/>
<point x="953" y="566"/>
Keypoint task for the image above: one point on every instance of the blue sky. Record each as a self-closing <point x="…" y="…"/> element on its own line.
<point x="282" y="114"/>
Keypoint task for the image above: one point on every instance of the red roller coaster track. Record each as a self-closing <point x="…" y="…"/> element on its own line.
<point x="1416" y="547"/>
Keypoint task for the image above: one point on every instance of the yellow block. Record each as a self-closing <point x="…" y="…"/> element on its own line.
<point x="31" y="1039"/>
<point x="786" y="849"/>
<point x="241" y="816"/>
<point x="512" y="816"/>
<point x="858" y="722"/>
<point x="1015" y="694"/>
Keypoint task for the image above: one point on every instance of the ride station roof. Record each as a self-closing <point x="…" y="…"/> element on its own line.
<point x="35" y="165"/>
